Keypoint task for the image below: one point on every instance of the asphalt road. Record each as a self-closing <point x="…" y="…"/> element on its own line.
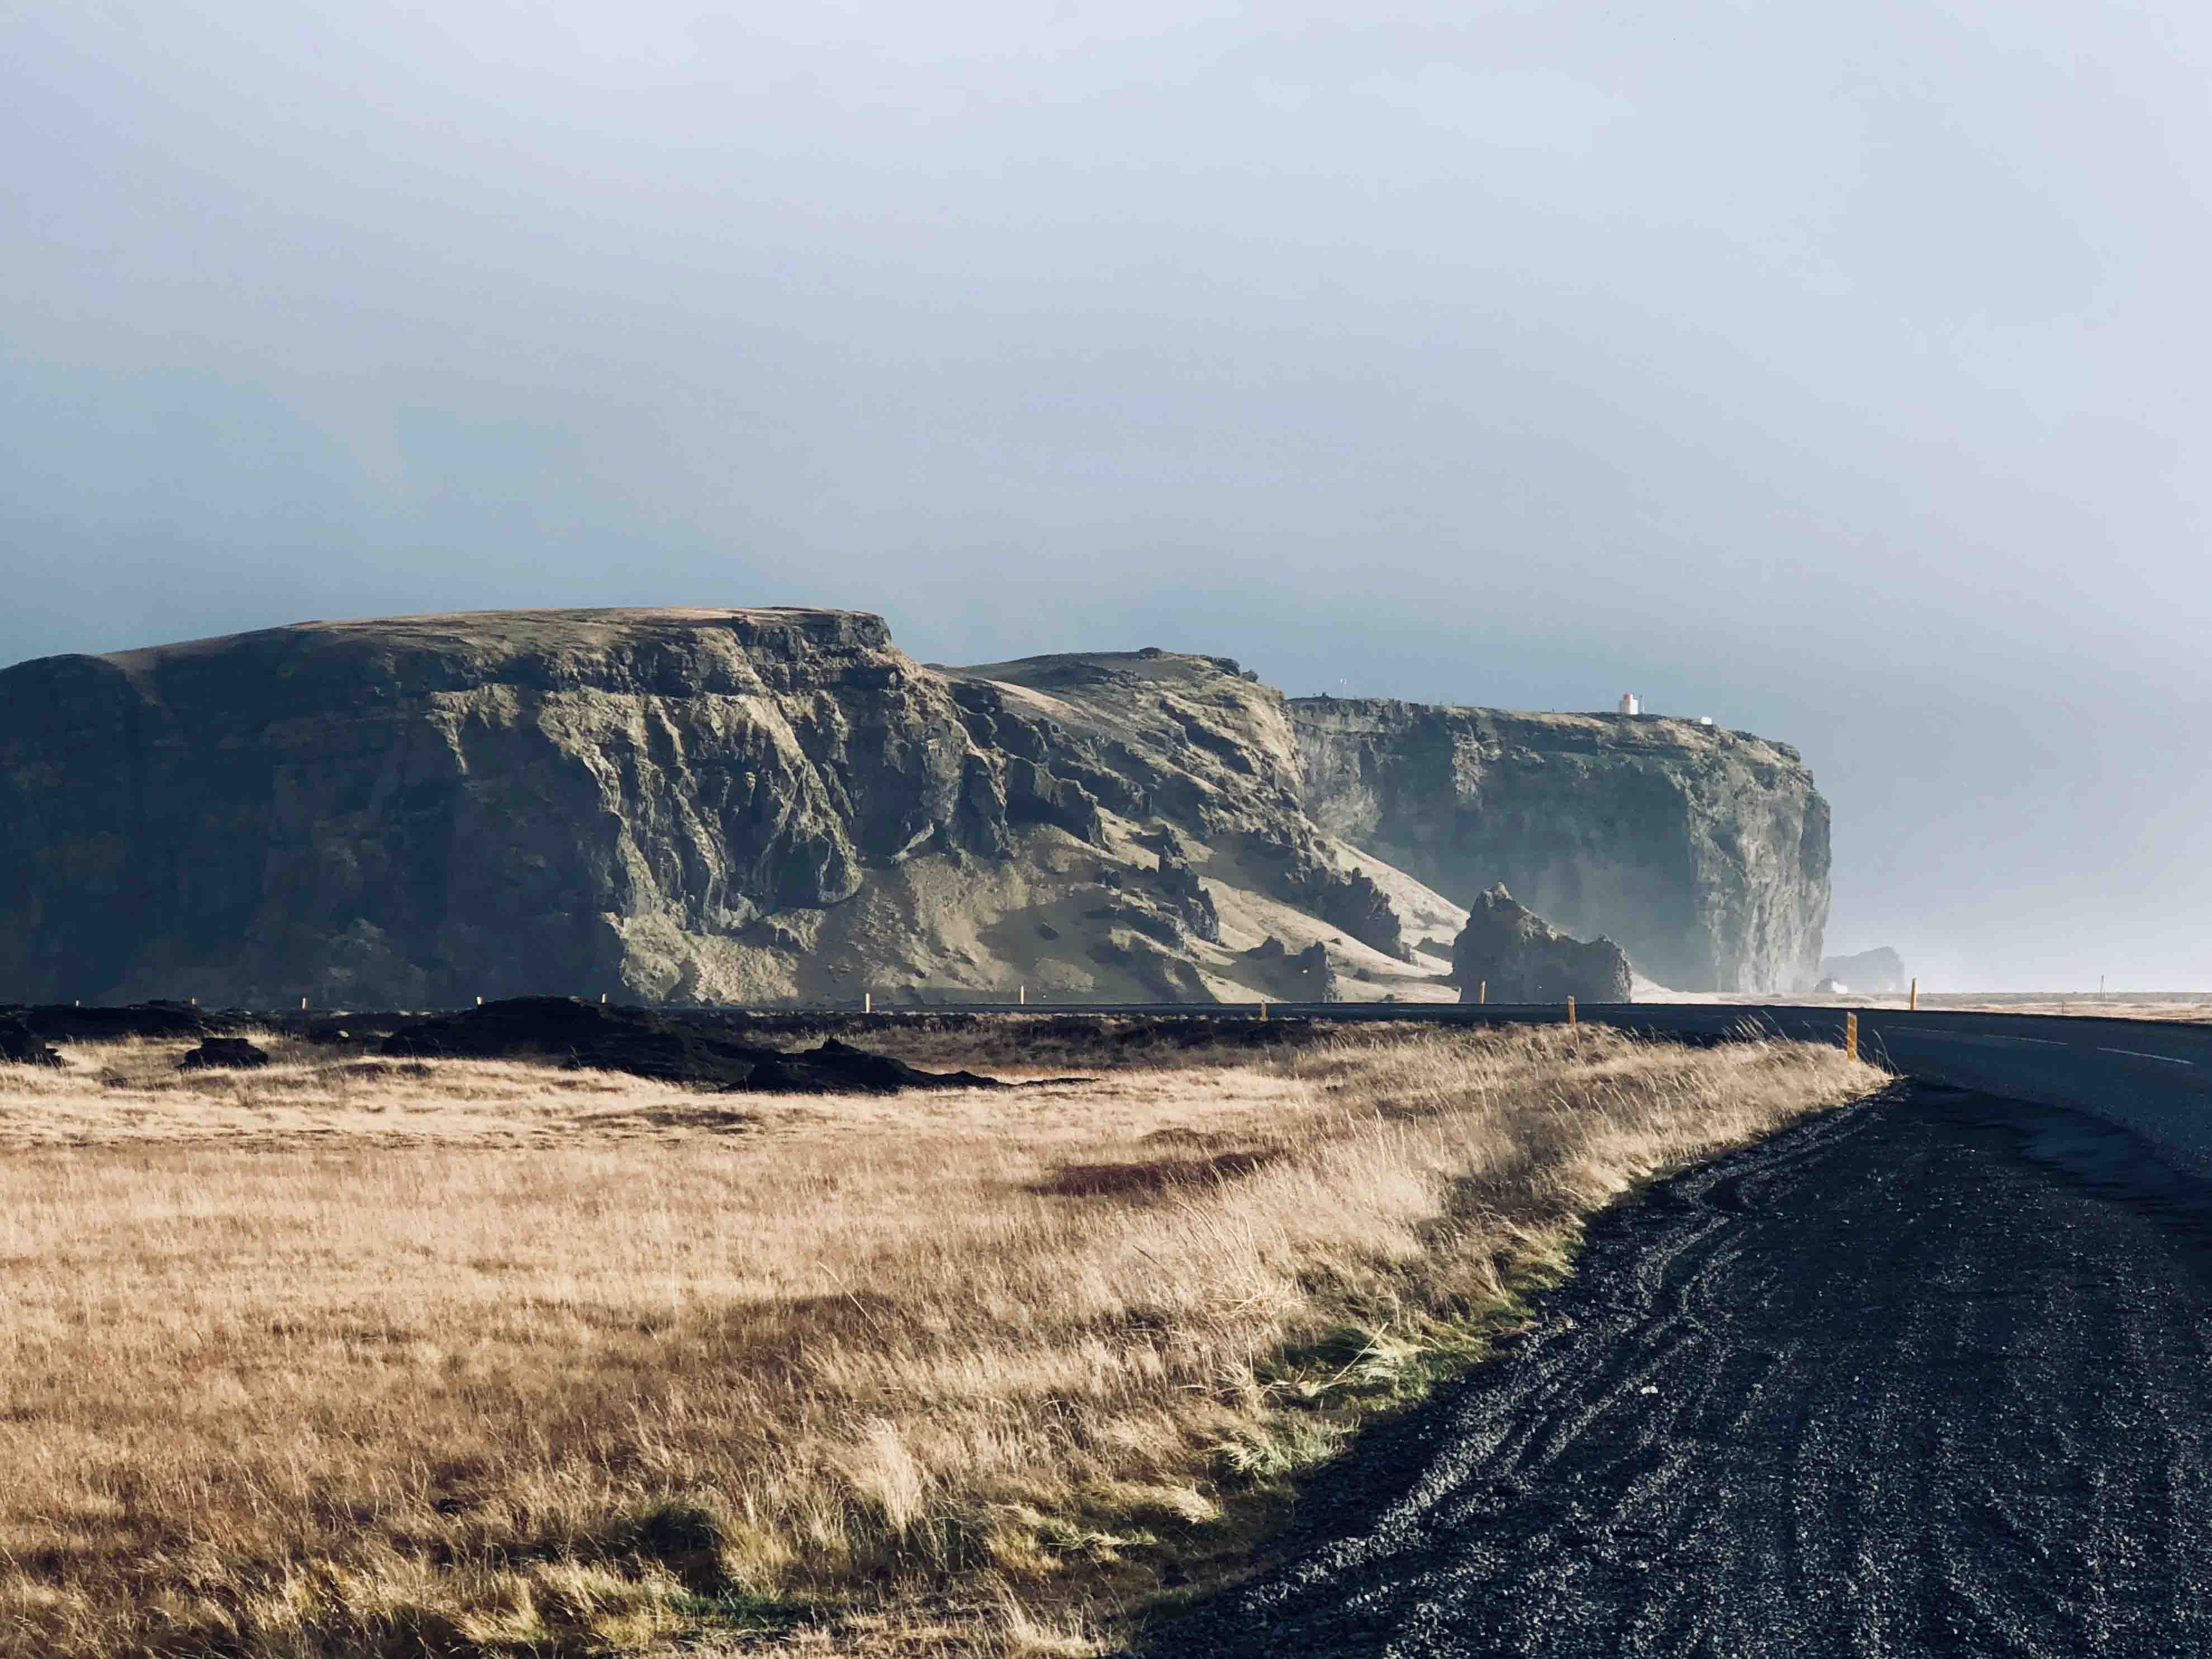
<point x="1928" y="1376"/>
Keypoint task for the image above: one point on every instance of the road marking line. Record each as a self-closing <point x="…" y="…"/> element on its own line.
<point x="2138" y="1054"/>
<point x="2040" y="1042"/>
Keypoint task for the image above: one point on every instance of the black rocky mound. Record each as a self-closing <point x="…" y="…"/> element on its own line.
<point x="601" y="1037"/>
<point x="19" y="1046"/>
<point x="839" y="1068"/>
<point x="218" y="1054"/>
<point x="65" y="1023"/>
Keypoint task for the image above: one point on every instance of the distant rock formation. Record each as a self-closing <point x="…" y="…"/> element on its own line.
<point x="730" y="805"/>
<point x="1870" y="973"/>
<point x="1520" y="958"/>
<point x="1288" y="976"/>
<point x="1705" y="852"/>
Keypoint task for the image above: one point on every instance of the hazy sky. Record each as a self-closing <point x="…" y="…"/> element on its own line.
<point x="1834" y="367"/>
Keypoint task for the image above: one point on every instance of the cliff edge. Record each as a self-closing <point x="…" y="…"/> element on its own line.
<point x="1703" y="852"/>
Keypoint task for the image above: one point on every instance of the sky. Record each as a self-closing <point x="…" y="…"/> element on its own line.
<point x="1835" y="369"/>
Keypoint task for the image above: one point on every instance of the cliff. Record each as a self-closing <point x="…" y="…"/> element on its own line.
<point x="741" y="805"/>
<point x="1703" y="852"/>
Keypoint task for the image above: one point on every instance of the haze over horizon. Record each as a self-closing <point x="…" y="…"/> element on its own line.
<point x="1830" y="370"/>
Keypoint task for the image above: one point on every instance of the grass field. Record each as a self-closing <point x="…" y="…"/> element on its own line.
<point x="357" y="1357"/>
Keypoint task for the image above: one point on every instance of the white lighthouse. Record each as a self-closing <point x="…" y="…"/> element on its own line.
<point x="1629" y="704"/>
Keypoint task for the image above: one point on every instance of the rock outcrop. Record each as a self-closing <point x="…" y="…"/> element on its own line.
<point x="1514" y="955"/>
<point x="1703" y="852"/>
<point x="218" y="1054"/>
<point x="1871" y="972"/>
<point x="21" y="1045"/>
<point x="737" y="806"/>
<point x="1187" y="741"/>
<point x="1288" y="976"/>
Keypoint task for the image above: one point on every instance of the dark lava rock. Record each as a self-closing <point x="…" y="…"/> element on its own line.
<point x="1316" y="979"/>
<point x="1525" y="958"/>
<point x="66" y="1022"/>
<point x="19" y="1046"/>
<point x="600" y="1037"/>
<point x="1306" y="975"/>
<point x="1187" y="896"/>
<point x="837" y="1069"/>
<point x="580" y="1033"/>
<point x="224" y="1055"/>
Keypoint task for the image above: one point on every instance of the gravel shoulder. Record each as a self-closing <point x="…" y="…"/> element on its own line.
<point x="1926" y="1374"/>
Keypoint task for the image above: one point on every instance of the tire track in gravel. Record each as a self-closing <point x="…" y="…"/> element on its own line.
<point x="1929" y="1375"/>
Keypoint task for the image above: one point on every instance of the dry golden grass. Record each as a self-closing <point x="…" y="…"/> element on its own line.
<point x="343" y="1358"/>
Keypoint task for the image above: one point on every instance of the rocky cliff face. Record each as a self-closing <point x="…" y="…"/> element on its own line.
<point x="1703" y="852"/>
<point x="721" y="805"/>
<point x="755" y="805"/>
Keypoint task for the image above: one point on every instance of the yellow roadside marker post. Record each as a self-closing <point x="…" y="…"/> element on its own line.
<point x="1571" y="1013"/>
<point x="1915" y="1003"/>
<point x="1482" y="991"/>
<point x="1850" y="1036"/>
<point x="867" y="1002"/>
